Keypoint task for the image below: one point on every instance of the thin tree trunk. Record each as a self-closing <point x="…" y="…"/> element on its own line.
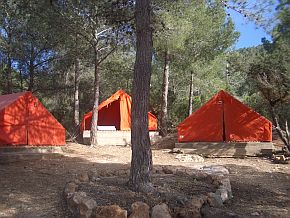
<point x="164" y="101"/>
<point x="9" y="64"/>
<point x="9" y="75"/>
<point x="76" y="99"/>
<point x="141" y="162"/>
<point x="31" y="76"/>
<point x="21" y="80"/>
<point x="190" y="95"/>
<point x="94" y="127"/>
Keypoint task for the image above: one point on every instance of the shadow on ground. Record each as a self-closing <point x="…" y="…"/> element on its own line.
<point x="33" y="188"/>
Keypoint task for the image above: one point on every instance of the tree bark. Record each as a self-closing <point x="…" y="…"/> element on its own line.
<point x="9" y="64"/>
<point x="94" y="127"/>
<point x="164" y="101"/>
<point x="31" y="76"/>
<point x="21" y="80"/>
<point x="282" y="135"/>
<point x="9" y="74"/>
<point x="76" y="94"/>
<point x="190" y="95"/>
<point x="141" y="162"/>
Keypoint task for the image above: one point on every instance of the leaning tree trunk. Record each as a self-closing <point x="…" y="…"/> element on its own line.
<point x="141" y="162"/>
<point x="76" y="98"/>
<point x="164" y="101"/>
<point x="190" y="95"/>
<point x="283" y="136"/>
<point x="94" y="126"/>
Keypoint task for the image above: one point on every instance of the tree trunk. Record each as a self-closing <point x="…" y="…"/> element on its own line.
<point x="9" y="74"/>
<point x="164" y="101"/>
<point x="21" y="80"/>
<point x="31" y="76"/>
<point x="76" y="99"/>
<point x="9" y="64"/>
<point x="94" y="127"/>
<point x="141" y="162"/>
<point x="190" y="95"/>
<point x="282" y="135"/>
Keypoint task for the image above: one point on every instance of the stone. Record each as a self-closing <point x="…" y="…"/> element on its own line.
<point x="160" y="211"/>
<point x="199" y="174"/>
<point x="223" y="193"/>
<point x="75" y="200"/>
<point x="83" y="177"/>
<point x="111" y="211"/>
<point x="225" y="189"/>
<point x="217" y="178"/>
<point x="214" y="200"/>
<point x="192" y="208"/>
<point x="86" y="207"/>
<point x="215" y="169"/>
<point x="196" y="202"/>
<point x="187" y="212"/>
<point x="139" y="210"/>
<point x="70" y="189"/>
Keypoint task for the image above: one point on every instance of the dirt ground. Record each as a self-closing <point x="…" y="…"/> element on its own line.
<point x="32" y="186"/>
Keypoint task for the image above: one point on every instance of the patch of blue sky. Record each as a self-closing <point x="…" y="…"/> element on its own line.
<point x="251" y="33"/>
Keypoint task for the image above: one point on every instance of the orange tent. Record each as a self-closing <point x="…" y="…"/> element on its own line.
<point x="224" y="118"/>
<point x="25" y="121"/>
<point x="116" y="111"/>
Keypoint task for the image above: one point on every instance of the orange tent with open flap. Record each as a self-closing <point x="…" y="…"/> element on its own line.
<point x="25" y="121"/>
<point x="116" y="111"/>
<point x="224" y="119"/>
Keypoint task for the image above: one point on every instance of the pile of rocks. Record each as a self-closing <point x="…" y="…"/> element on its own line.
<point x="81" y="205"/>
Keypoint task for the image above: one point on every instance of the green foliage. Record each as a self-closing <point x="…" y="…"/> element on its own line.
<point x="196" y="35"/>
<point x="50" y="35"/>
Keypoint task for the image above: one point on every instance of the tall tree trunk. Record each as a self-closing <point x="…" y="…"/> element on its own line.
<point x="76" y="99"/>
<point x="9" y="64"/>
<point x="21" y="80"/>
<point x="164" y="101"/>
<point x="94" y="127"/>
<point x="9" y="74"/>
<point x="31" y="76"/>
<point x="190" y="95"/>
<point x="141" y="162"/>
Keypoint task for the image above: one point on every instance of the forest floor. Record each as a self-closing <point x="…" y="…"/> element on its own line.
<point x="32" y="186"/>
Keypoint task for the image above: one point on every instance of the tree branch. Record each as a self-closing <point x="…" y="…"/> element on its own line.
<point x="110" y="52"/>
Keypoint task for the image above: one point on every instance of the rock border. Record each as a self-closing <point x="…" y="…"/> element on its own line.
<point x="81" y="205"/>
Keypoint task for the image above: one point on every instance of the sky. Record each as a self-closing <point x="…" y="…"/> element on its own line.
<point x="250" y="33"/>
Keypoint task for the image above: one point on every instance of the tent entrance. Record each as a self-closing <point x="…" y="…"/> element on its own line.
<point x="223" y="121"/>
<point x="110" y="115"/>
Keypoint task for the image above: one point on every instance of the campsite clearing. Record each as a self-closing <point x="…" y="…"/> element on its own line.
<point x="33" y="187"/>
